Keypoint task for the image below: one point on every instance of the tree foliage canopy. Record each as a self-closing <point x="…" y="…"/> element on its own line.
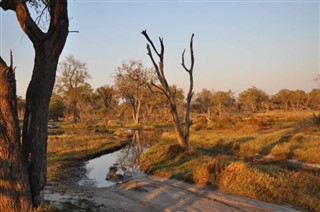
<point x="72" y="85"/>
<point x="253" y="98"/>
<point x="132" y="82"/>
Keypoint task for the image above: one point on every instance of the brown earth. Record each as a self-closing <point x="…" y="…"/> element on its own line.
<point x="151" y="193"/>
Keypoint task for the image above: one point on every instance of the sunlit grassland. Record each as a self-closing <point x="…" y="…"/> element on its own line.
<point x="233" y="158"/>
<point x="64" y="150"/>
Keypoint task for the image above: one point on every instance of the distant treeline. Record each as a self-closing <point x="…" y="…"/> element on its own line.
<point x="106" y="102"/>
<point x="136" y="96"/>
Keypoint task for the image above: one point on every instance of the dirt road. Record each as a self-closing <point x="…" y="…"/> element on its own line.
<point x="150" y="193"/>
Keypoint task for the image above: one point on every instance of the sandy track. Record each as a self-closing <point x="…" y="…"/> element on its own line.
<point x="150" y="193"/>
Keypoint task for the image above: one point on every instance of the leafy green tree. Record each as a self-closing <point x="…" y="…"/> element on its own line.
<point x="87" y="103"/>
<point x="299" y="99"/>
<point x="56" y="108"/>
<point x="107" y="94"/>
<point x="223" y="101"/>
<point x="132" y="80"/>
<point x="203" y="102"/>
<point x="21" y="104"/>
<point x="72" y="85"/>
<point x="253" y="98"/>
<point x="283" y="98"/>
<point x="314" y="99"/>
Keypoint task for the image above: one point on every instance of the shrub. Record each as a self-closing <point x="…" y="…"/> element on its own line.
<point x="201" y="174"/>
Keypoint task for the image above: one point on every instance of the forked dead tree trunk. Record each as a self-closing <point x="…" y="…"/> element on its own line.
<point x="15" y="192"/>
<point x="182" y="132"/>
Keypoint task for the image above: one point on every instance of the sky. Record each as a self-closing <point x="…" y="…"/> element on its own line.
<point x="268" y="44"/>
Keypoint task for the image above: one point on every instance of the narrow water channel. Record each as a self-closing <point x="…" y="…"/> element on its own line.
<point x="128" y="158"/>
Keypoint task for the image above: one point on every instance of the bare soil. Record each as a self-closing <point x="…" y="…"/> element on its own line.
<point x="150" y="193"/>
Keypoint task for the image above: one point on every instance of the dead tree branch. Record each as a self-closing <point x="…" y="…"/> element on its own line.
<point x="181" y="131"/>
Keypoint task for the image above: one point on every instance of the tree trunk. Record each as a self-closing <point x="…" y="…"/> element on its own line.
<point x="178" y="127"/>
<point x="35" y="130"/>
<point x="14" y="183"/>
<point x="48" y="47"/>
<point x="137" y="112"/>
<point x="76" y="113"/>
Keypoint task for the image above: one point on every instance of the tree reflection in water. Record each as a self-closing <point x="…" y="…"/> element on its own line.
<point x="141" y="141"/>
<point x="126" y="160"/>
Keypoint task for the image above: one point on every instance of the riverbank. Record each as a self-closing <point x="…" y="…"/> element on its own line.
<point x="68" y="151"/>
<point x="142" y="193"/>
<point x="255" y="162"/>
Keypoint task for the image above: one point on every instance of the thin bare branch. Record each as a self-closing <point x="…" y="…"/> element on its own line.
<point x="191" y="55"/>
<point x="152" y="59"/>
<point x="162" y="49"/>
<point x="191" y="52"/>
<point x="38" y="19"/>
<point x="144" y="32"/>
<point x="159" y="74"/>
<point x="11" y="59"/>
<point x="161" y="89"/>
<point x="161" y="63"/>
<point x="183" y="65"/>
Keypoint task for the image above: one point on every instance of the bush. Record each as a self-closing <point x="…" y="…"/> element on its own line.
<point x="201" y="174"/>
<point x="316" y="119"/>
<point x="56" y="110"/>
<point x="222" y="123"/>
<point x="200" y="123"/>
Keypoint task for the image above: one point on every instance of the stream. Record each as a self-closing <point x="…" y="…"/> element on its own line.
<point x="126" y="159"/>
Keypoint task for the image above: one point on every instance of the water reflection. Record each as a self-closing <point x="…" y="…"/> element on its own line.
<point x="140" y="142"/>
<point x="127" y="158"/>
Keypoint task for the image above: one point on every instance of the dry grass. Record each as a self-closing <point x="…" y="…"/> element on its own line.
<point x="272" y="184"/>
<point x="66" y="149"/>
<point x="227" y="158"/>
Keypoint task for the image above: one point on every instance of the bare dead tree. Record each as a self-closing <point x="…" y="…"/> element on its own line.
<point x="15" y="192"/>
<point x="182" y="131"/>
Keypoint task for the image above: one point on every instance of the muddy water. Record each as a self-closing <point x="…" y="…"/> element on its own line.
<point x="128" y="159"/>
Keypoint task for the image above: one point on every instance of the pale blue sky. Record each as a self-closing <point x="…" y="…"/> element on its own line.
<point x="238" y="44"/>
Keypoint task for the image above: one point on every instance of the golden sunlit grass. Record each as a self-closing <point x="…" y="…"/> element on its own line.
<point x="272" y="184"/>
<point x="231" y="158"/>
<point x="65" y="149"/>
